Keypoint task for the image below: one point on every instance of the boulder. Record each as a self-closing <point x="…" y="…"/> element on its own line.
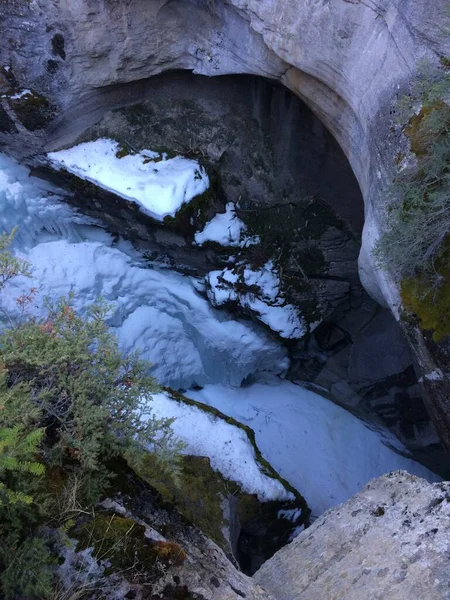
<point x="136" y="545"/>
<point x="392" y="540"/>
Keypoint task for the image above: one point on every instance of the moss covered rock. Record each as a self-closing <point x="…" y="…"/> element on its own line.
<point x="198" y="492"/>
<point x="245" y="526"/>
<point x="121" y="544"/>
<point x="33" y="110"/>
<point x="430" y="306"/>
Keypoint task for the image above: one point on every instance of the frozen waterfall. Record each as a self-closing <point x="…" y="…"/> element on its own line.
<point x="320" y="448"/>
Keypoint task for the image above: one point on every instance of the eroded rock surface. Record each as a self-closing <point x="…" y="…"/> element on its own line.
<point x="135" y="545"/>
<point x="391" y="540"/>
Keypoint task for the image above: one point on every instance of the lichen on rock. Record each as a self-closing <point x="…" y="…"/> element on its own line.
<point x="389" y="541"/>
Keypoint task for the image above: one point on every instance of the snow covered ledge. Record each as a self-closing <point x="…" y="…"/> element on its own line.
<point x="158" y="184"/>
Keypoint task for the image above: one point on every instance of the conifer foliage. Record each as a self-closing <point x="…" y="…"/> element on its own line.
<point x="71" y="404"/>
<point x="417" y="229"/>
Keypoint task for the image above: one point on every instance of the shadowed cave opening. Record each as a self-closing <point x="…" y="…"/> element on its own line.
<point x="266" y="144"/>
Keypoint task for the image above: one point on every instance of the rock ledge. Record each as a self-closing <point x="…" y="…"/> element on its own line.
<point x="390" y="541"/>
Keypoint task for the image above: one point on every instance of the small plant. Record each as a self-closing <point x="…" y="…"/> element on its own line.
<point x="70" y="406"/>
<point x="416" y="240"/>
<point x="17" y="458"/>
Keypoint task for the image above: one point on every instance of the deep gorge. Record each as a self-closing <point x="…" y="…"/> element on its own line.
<point x="289" y="112"/>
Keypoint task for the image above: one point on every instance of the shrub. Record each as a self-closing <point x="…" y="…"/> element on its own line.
<point x="90" y="398"/>
<point x="416" y="240"/>
<point x="17" y="452"/>
<point x="70" y="404"/>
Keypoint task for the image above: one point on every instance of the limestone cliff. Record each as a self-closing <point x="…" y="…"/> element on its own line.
<point x="389" y="541"/>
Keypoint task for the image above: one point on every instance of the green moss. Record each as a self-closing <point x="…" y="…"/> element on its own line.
<point x="33" y="110"/>
<point x="122" y="543"/>
<point x="265" y="466"/>
<point x="197" y="207"/>
<point x="431" y="307"/>
<point x="418" y="130"/>
<point x="193" y="216"/>
<point x="123" y="151"/>
<point x="197" y="493"/>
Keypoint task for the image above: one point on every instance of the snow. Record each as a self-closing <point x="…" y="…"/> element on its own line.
<point x="21" y="94"/>
<point x="322" y="450"/>
<point x="157" y="311"/>
<point x="228" y="447"/>
<point x="35" y="207"/>
<point x="291" y="514"/>
<point x="263" y="298"/>
<point x="226" y="229"/>
<point x="160" y="185"/>
<point x="435" y="375"/>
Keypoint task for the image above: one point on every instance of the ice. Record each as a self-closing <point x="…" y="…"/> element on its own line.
<point x="263" y="297"/>
<point x="226" y="229"/>
<point x="322" y="450"/>
<point x="34" y="206"/>
<point x="157" y="311"/>
<point x="227" y="446"/>
<point x="21" y="94"/>
<point x="160" y="185"/>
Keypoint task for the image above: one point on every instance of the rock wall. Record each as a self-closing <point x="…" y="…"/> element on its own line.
<point x="389" y="541"/>
<point x="348" y="60"/>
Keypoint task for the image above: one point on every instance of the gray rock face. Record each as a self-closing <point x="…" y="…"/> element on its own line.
<point x="196" y="568"/>
<point x="392" y="540"/>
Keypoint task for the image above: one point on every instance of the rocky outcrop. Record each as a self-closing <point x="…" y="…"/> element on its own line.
<point x="136" y="545"/>
<point x="391" y="540"/>
<point x="250" y="511"/>
<point x="349" y="60"/>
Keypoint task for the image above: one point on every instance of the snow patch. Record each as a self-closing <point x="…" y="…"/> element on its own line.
<point x="226" y="229"/>
<point x="160" y="185"/>
<point x="322" y="450"/>
<point x="258" y="291"/>
<point x="291" y="514"/>
<point x="435" y="375"/>
<point x="227" y="446"/>
<point x="21" y="94"/>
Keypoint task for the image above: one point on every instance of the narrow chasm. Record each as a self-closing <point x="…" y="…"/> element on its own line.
<point x="221" y="222"/>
